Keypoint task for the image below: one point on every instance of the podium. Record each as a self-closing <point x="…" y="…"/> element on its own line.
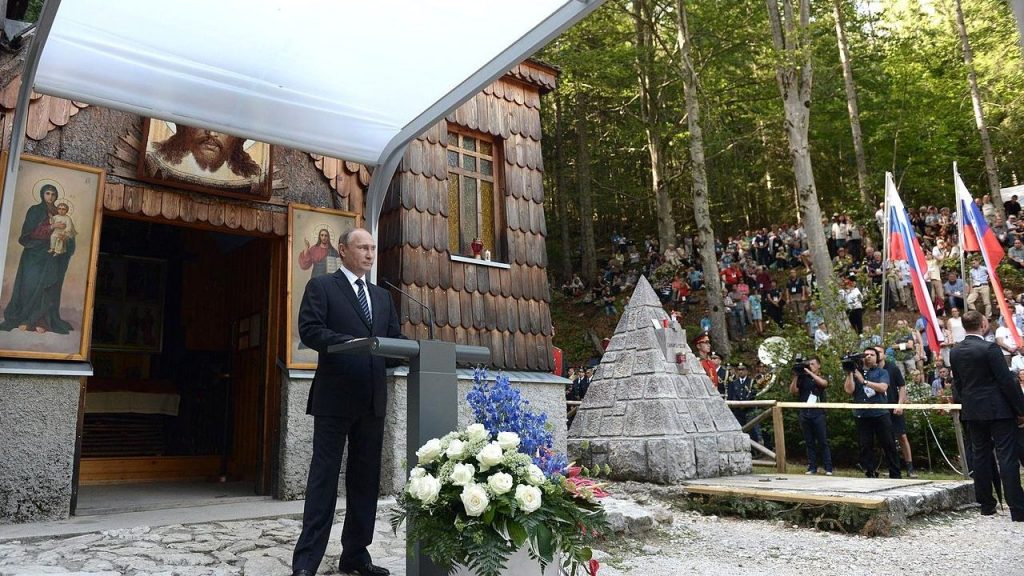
<point x="433" y="398"/>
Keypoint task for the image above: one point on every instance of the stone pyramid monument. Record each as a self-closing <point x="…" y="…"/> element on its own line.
<point x="650" y="412"/>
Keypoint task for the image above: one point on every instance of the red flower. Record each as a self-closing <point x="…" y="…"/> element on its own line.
<point x="594" y="565"/>
<point x="584" y="487"/>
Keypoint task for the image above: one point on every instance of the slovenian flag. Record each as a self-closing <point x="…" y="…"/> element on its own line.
<point x="978" y="237"/>
<point x="977" y="232"/>
<point x="903" y="245"/>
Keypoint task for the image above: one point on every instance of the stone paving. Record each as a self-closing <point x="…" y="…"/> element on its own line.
<point x="245" y="548"/>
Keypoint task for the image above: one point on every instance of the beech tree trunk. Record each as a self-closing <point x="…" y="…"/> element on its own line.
<point x="794" y="76"/>
<point x="1017" y="6"/>
<point x="851" y="106"/>
<point x="701" y="209"/>
<point x="768" y="180"/>
<point x="979" y="116"/>
<point x="588" y="265"/>
<point x="643" y="20"/>
<point x="561" y="190"/>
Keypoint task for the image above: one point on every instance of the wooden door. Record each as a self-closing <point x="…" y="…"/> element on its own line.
<point x="247" y="275"/>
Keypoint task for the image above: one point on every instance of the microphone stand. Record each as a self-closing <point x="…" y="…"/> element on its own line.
<point x="430" y="314"/>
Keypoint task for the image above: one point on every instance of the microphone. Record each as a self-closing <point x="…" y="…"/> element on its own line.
<point x="430" y="314"/>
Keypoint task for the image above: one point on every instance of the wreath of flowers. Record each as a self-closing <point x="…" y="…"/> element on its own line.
<point x="478" y="495"/>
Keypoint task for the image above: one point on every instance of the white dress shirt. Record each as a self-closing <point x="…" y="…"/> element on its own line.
<point x="355" y="288"/>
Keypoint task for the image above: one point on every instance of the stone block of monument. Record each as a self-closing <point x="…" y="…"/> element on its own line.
<point x="651" y="412"/>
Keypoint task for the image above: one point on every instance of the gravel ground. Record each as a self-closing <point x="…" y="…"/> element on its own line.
<point x="682" y="543"/>
<point x="953" y="543"/>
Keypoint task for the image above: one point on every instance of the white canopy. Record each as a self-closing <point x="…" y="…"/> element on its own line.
<point x="355" y="80"/>
<point x="352" y="79"/>
<point x="340" y="78"/>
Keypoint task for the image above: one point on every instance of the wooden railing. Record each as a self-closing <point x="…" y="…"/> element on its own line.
<point x="775" y="408"/>
<point x="571" y="406"/>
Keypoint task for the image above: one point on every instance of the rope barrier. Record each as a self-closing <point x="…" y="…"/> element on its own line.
<point x="939" y="445"/>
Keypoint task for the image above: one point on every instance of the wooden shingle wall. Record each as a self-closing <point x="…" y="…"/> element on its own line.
<point x="348" y="180"/>
<point x="506" y="310"/>
<point x="45" y="113"/>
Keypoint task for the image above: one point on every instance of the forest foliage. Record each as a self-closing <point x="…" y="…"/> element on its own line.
<point x="914" y="100"/>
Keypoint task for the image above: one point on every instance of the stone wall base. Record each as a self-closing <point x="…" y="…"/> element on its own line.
<point x="38" y="425"/>
<point x="296" y="442"/>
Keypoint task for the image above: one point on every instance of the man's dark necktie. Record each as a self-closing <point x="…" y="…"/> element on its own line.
<point x="362" y="301"/>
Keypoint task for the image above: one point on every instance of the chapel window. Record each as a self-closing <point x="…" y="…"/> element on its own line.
<point x="474" y="198"/>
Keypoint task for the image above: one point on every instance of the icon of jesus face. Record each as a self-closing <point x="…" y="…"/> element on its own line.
<point x="210" y="149"/>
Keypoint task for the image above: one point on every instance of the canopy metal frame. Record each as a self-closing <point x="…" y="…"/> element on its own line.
<point x="390" y="158"/>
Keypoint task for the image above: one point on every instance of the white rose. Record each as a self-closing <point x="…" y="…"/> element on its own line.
<point x="535" y="476"/>
<point x="477" y="432"/>
<point x="474" y="498"/>
<point x="429" y="451"/>
<point x="417" y="472"/>
<point x="528" y="498"/>
<point x="427" y="489"/>
<point x="413" y="488"/>
<point x="462" y="474"/>
<point x="456" y="449"/>
<point x="490" y="455"/>
<point x="508" y="440"/>
<point x="500" y="483"/>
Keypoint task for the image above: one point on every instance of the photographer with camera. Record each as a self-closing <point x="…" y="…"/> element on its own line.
<point x="868" y="383"/>
<point x="809" y="386"/>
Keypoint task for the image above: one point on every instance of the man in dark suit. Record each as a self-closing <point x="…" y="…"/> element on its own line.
<point x="347" y="401"/>
<point x="993" y="409"/>
<point x="743" y="388"/>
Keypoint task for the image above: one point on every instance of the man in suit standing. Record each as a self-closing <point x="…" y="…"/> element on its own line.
<point x="347" y="401"/>
<point x="993" y="409"/>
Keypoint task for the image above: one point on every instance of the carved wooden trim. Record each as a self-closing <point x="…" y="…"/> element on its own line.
<point x="180" y="206"/>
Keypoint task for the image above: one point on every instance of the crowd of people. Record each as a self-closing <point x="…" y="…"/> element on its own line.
<point x="766" y="276"/>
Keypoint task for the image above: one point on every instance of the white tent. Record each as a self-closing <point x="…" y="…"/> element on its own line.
<point x="355" y="80"/>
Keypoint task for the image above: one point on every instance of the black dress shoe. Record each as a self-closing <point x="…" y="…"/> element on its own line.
<point x="988" y="511"/>
<point x="303" y="573"/>
<point x="367" y="569"/>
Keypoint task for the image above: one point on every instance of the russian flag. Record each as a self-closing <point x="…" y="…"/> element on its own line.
<point x="903" y="245"/>
<point x="978" y="237"/>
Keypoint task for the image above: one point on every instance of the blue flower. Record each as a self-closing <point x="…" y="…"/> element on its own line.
<point x="501" y="408"/>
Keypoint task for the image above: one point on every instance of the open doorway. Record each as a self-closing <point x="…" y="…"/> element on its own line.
<point x="175" y="411"/>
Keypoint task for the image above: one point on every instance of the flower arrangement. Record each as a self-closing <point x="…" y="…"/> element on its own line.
<point x="478" y="495"/>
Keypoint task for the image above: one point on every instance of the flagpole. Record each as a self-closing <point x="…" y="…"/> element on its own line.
<point x="886" y="230"/>
<point x="961" y="218"/>
<point x="907" y="248"/>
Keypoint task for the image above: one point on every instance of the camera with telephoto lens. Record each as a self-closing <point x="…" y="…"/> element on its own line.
<point x="799" y="365"/>
<point x="852" y="361"/>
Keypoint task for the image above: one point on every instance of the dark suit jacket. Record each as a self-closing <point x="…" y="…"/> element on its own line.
<point x="983" y="383"/>
<point x="345" y="385"/>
